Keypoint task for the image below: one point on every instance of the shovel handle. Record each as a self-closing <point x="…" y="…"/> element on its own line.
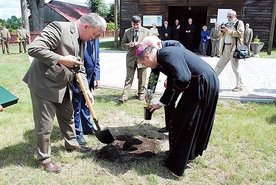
<point x="86" y="96"/>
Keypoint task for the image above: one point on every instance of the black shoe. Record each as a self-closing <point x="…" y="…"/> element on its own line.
<point x="122" y="100"/>
<point x="89" y="132"/>
<point x="80" y="148"/>
<point x="163" y="130"/>
<point x="167" y="152"/>
<point x="81" y="141"/>
<point x="163" y="163"/>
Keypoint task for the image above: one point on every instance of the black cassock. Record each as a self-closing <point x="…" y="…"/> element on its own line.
<point x="192" y="122"/>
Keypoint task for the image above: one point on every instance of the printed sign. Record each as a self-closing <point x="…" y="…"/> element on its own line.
<point x="148" y="20"/>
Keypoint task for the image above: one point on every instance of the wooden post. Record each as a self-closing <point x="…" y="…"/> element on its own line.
<point x="272" y="27"/>
<point x="116" y="23"/>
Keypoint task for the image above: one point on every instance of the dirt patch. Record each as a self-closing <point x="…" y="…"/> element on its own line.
<point x="126" y="148"/>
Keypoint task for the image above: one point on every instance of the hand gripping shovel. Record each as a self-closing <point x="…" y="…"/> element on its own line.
<point x="103" y="136"/>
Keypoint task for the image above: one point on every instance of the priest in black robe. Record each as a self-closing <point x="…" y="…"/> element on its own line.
<point x="192" y="122"/>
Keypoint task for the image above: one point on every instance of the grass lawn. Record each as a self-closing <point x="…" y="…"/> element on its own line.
<point x="242" y="147"/>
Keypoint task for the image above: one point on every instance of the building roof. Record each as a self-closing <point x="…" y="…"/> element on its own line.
<point x="69" y="11"/>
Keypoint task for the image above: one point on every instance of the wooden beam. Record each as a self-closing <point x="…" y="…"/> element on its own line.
<point x="272" y="27"/>
<point x="116" y="23"/>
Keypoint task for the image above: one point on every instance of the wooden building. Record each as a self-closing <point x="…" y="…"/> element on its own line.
<point x="203" y="12"/>
<point x="62" y="11"/>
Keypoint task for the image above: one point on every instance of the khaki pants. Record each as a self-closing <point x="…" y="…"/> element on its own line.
<point x="224" y="59"/>
<point x="141" y="75"/>
<point x="22" y="44"/>
<point x="5" y="45"/>
<point x="215" y="48"/>
<point x="44" y="112"/>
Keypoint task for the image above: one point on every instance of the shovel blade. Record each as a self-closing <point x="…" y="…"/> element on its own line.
<point x="104" y="136"/>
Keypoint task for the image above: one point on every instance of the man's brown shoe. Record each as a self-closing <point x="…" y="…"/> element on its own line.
<point x="51" y="167"/>
<point x="237" y="89"/>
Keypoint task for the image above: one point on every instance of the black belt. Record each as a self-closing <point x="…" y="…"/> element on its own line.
<point x="227" y="43"/>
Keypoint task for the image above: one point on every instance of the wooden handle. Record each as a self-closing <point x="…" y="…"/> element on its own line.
<point x="86" y="96"/>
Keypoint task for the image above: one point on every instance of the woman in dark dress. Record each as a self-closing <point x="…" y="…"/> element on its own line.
<point x="193" y="119"/>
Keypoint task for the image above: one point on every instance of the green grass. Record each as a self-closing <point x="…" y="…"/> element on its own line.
<point x="265" y="55"/>
<point x="110" y="45"/>
<point x="242" y="147"/>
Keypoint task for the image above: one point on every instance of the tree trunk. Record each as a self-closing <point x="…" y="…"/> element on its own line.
<point x="37" y="14"/>
<point x="24" y="13"/>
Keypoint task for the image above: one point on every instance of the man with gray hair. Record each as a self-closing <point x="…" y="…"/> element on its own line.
<point x="58" y="48"/>
<point x="170" y="107"/>
<point x="231" y="35"/>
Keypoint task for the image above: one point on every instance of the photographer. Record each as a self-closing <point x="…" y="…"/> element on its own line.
<point x="230" y="33"/>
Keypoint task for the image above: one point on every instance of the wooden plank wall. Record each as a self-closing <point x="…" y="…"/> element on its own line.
<point x="128" y="8"/>
<point x="258" y="14"/>
<point x="157" y="7"/>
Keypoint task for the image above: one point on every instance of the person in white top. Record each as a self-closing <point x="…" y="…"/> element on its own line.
<point x="154" y="30"/>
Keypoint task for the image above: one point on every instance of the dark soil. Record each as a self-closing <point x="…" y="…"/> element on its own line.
<point x="126" y="148"/>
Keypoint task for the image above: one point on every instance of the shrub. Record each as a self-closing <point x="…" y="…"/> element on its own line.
<point x="110" y="26"/>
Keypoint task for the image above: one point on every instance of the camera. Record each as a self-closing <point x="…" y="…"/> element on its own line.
<point x="223" y="25"/>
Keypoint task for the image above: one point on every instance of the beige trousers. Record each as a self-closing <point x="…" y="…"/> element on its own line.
<point x="44" y="112"/>
<point x="141" y="75"/>
<point x="226" y="56"/>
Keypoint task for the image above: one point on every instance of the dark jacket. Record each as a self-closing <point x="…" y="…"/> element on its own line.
<point x="91" y="64"/>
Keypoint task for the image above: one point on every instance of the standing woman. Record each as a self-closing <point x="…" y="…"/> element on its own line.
<point x="192" y="122"/>
<point x="154" y="30"/>
<point x="204" y="40"/>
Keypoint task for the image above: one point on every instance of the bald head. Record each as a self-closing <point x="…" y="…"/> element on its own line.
<point x="152" y="41"/>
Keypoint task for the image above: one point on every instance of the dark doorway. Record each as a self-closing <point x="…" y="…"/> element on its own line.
<point x="183" y="13"/>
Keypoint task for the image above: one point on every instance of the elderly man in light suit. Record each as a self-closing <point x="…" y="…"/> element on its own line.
<point x="215" y="40"/>
<point x="229" y="35"/>
<point x="55" y="51"/>
<point x="248" y="36"/>
<point x="132" y="39"/>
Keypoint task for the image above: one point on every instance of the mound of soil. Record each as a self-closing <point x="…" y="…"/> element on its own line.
<point x="126" y="148"/>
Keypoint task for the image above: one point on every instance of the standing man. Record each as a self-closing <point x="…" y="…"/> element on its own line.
<point x="81" y="111"/>
<point x="5" y="38"/>
<point x="215" y="40"/>
<point x="166" y="31"/>
<point x="170" y="107"/>
<point x="193" y="118"/>
<point x="248" y="36"/>
<point x="23" y="36"/>
<point x="55" y="51"/>
<point x="189" y="34"/>
<point x="176" y="30"/>
<point x="131" y="40"/>
<point x="231" y="34"/>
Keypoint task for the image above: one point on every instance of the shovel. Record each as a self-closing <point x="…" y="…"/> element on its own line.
<point x="103" y="136"/>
